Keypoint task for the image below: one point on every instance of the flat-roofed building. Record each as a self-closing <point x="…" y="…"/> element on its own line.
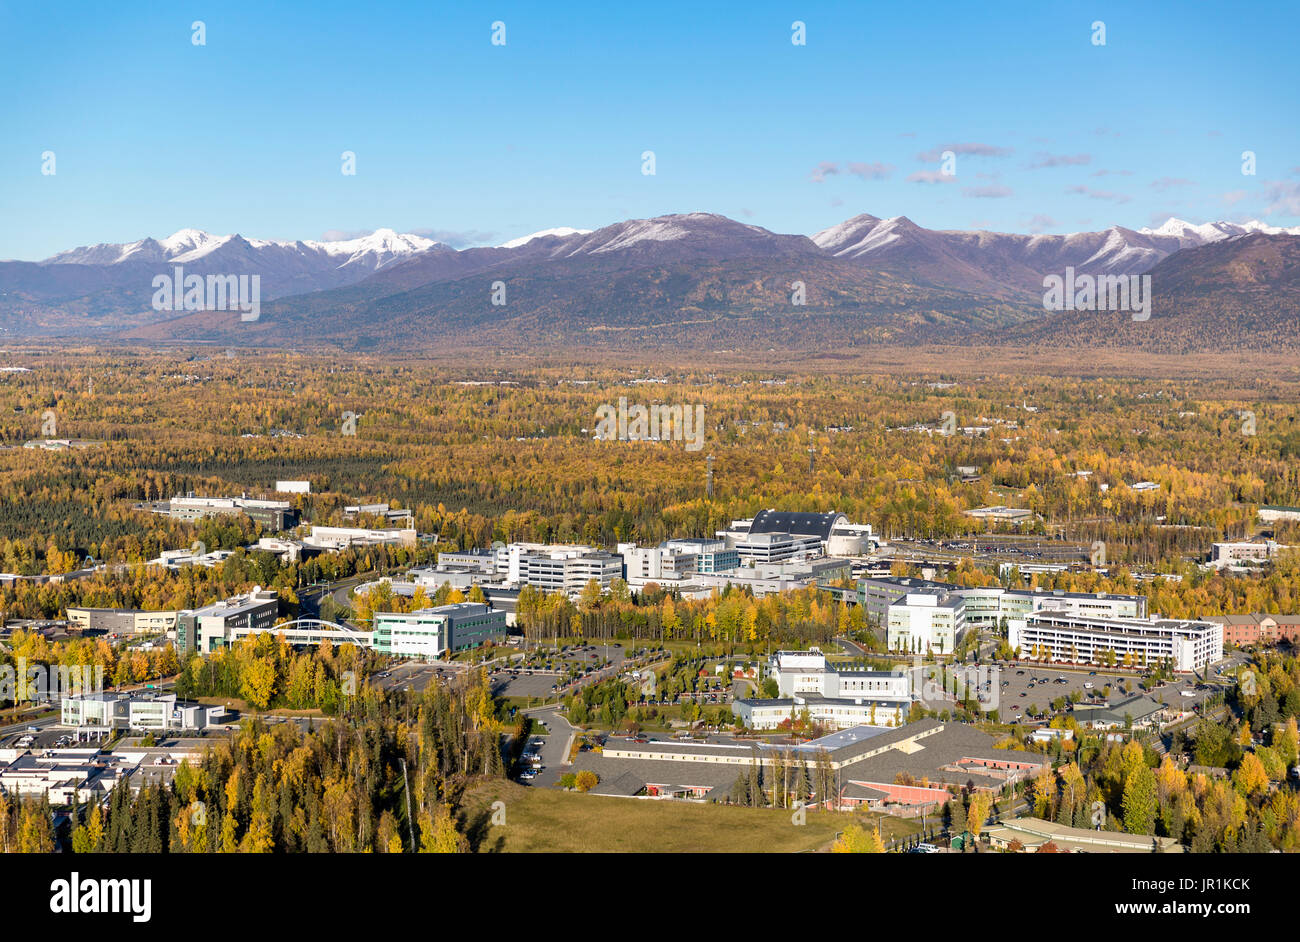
<point x="1030" y="835"/>
<point x="432" y="632"/>
<point x="473" y="560"/>
<point x="391" y="515"/>
<point x="337" y="538"/>
<point x="834" y="698"/>
<point x="568" y="570"/>
<point x="776" y="547"/>
<point x="1001" y="514"/>
<point x="1184" y="644"/>
<point x="925" y="621"/>
<point x="769" y="578"/>
<point x="272" y="514"/>
<point x="212" y="626"/>
<point x="676" y="560"/>
<point x="986" y="606"/>
<point x="1274" y="513"/>
<point x="122" y="621"/>
<point x="862" y="765"/>
<point x="1244" y="553"/>
<point x="149" y="711"/>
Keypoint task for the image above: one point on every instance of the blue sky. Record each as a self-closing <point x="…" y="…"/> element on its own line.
<point x="477" y="143"/>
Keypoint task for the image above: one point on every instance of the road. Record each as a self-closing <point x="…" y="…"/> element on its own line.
<point x="555" y="746"/>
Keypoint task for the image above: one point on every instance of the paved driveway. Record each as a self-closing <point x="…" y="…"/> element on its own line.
<point x="555" y="747"/>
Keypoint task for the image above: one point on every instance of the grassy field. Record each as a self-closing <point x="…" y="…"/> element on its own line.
<point x="550" y="820"/>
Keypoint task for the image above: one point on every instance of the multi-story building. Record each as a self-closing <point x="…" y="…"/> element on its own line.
<point x="986" y="606"/>
<point x="337" y="538"/>
<point x="1224" y="555"/>
<point x="122" y="621"/>
<point x="150" y="712"/>
<point x="432" y="632"/>
<point x="768" y="578"/>
<point x="776" y="535"/>
<point x="925" y="621"/>
<point x="1184" y="645"/>
<point x="271" y="514"/>
<point x="675" y="560"/>
<point x="474" y="560"/>
<point x="404" y="518"/>
<point x="568" y="570"/>
<point x="1258" y="628"/>
<point x="833" y="698"/>
<point x="216" y="625"/>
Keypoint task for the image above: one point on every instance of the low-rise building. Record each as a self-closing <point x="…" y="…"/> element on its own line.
<point x="1135" y="712"/>
<point x="833" y="698"/>
<point x="274" y="515"/>
<point x="1000" y="514"/>
<point x="1274" y="513"/>
<point x="904" y="769"/>
<point x="432" y="632"/>
<point x="122" y="621"/>
<point x="337" y="538"/>
<point x="769" y="578"/>
<point x="144" y="711"/>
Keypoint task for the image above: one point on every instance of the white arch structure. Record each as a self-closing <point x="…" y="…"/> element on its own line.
<point x="310" y="631"/>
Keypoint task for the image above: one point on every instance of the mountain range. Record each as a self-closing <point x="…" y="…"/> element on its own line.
<point x="691" y="277"/>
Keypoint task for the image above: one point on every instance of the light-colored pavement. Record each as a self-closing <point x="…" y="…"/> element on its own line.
<point x="555" y="747"/>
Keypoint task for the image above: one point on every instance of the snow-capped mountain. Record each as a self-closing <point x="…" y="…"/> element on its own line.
<point x="1214" y="231"/>
<point x="559" y="232"/>
<point x="979" y="260"/>
<point x="660" y="266"/>
<point x="372" y="252"/>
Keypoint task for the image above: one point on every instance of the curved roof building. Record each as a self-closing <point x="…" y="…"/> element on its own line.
<point x="797" y="524"/>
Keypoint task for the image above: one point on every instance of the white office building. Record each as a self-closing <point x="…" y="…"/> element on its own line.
<point x="337" y="538"/>
<point x="833" y="698"/>
<point x="1081" y="639"/>
<point x="565" y="569"/>
<point x="1229" y="555"/>
<point x="432" y="632"/>
<point x="925" y="621"/>
<point x="778" y="535"/>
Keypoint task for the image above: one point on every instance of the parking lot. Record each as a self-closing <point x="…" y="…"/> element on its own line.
<point x="518" y="682"/>
<point x="414" y="675"/>
<point x="1022" y="687"/>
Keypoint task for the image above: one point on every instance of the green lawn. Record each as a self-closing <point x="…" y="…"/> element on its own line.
<point x="550" y="820"/>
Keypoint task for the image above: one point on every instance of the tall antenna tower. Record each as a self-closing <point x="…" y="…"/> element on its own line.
<point x="812" y="450"/>
<point x="708" y="478"/>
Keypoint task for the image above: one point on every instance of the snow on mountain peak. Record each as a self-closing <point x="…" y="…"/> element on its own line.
<point x="560" y="231"/>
